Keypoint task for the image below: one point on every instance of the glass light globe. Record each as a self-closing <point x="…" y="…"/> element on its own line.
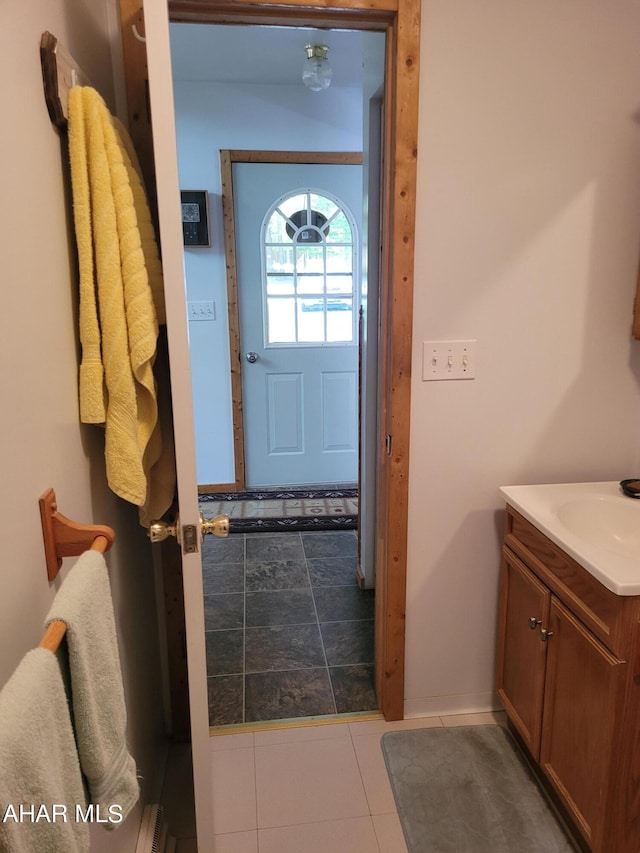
<point x="316" y="71"/>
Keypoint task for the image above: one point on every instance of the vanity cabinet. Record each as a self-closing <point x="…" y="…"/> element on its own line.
<point x="568" y="674"/>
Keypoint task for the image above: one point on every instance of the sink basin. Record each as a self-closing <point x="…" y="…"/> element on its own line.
<point x="593" y="522"/>
<point x="605" y="522"/>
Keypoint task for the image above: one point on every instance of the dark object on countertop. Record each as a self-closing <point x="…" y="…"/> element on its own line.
<point x="631" y="488"/>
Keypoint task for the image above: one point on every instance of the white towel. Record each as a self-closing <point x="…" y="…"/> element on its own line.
<point x="39" y="763"/>
<point x="100" y="718"/>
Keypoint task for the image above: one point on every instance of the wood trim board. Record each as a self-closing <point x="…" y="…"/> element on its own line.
<point x="228" y="218"/>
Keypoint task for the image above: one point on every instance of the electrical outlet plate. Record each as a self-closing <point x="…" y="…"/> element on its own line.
<point x="448" y="360"/>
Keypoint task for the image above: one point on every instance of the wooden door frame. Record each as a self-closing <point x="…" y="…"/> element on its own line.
<point x="400" y="21"/>
<point x="227" y="158"/>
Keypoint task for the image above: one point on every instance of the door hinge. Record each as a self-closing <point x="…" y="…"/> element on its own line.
<point x="387" y="443"/>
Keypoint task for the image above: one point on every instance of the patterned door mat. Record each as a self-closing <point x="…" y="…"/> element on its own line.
<point x="293" y="509"/>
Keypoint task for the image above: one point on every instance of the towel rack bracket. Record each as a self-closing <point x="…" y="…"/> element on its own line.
<point x="66" y="538"/>
<point x="60" y="72"/>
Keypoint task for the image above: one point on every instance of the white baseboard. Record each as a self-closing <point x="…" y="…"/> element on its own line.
<point x="441" y="706"/>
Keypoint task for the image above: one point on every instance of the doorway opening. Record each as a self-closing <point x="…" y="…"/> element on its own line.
<point x="306" y="599"/>
<point x="400" y="21"/>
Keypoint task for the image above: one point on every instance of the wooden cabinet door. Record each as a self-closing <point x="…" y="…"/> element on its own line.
<point x="524" y="602"/>
<point x="582" y="687"/>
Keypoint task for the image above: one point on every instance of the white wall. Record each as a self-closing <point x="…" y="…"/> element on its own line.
<point x="210" y="117"/>
<point x="528" y="225"/>
<point x="43" y="445"/>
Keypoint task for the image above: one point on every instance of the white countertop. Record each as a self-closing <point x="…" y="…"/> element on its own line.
<point x="595" y="523"/>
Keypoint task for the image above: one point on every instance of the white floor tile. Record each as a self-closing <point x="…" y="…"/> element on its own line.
<point x="486" y="718"/>
<point x="389" y="833"/>
<point x="354" y="835"/>
<point x="234" y="791"/>
<point x="237" y="842"/>
<point x="298" y="733"/>
<point x="374" y="774"/>
<point x="367" y="727"/>
<point x="308" y="781"/>
<point x="235" y="741"/>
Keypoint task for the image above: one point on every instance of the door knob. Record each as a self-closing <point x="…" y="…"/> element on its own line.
<point x="534" y="623"/>
<point x="161" y="530"/>
<point x="218" y="526"/>
<point x="251" y="357"/>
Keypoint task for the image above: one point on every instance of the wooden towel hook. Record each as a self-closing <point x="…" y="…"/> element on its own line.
<point x="60" y="73"/>
<point x="66" y="538"/>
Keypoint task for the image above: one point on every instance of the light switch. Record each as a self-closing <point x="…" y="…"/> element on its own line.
<point x="201" y="310"/>
<point x="448" y="360"/>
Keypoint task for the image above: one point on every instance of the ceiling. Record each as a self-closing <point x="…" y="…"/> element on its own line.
<point x="254" y="54"/>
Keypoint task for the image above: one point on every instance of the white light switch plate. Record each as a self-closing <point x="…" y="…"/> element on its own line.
<point x="448" y="360"/>
<point x="201" y="310"/>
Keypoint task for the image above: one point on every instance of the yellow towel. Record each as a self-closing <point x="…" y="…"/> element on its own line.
<point x="92" y="390"/>
<point x="145" y="226"/>
<point x="118" y="317"/>
<point x="161" y="473"/>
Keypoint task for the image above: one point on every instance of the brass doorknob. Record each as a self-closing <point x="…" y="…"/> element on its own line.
<point x="161" y="530"/>
<point x="218" y="526"/>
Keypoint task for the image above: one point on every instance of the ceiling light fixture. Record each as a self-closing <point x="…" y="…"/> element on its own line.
<point x="316" y="71"/>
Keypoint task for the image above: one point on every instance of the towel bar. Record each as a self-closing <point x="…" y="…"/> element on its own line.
<point x="66" y="538"/>
<point x="52" y="637"/>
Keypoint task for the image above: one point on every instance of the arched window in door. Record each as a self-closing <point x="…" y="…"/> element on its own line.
<point x="309" y="271"/>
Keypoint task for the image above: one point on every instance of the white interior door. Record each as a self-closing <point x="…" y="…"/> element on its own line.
<point x="164" y="140"/>
<point x="297" y="232"/>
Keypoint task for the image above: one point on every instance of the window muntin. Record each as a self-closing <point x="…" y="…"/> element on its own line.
<point x="309" y="271"/>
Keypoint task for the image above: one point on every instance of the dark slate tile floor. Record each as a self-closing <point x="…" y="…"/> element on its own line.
<point x="289" y="633"/>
